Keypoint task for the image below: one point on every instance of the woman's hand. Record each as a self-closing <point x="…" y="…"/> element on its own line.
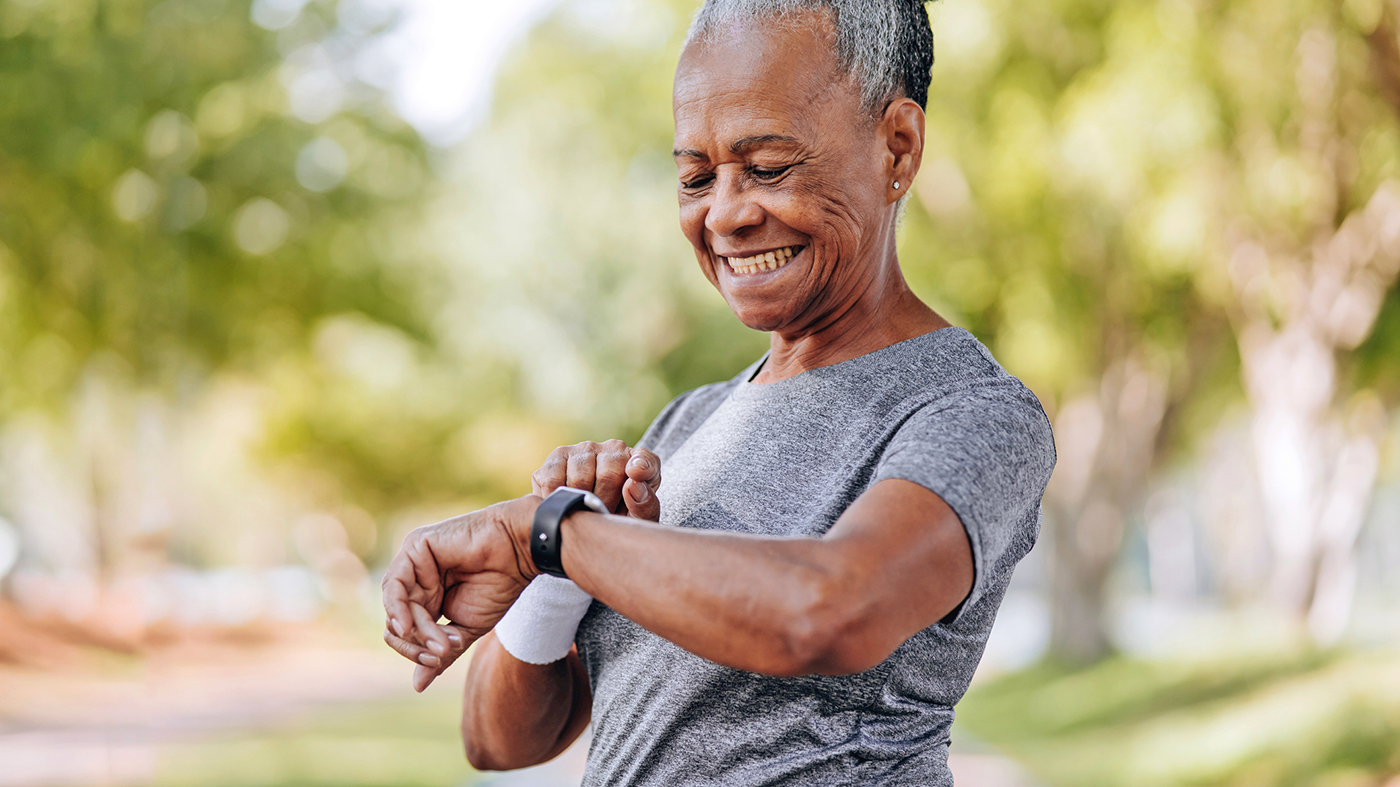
<point x="469" y="569"/>
<point x="625" y="479"/>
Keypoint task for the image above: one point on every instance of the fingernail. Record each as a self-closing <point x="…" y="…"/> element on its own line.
<point x="398" y="627"/>
<point x="640" y="492"/>
<point x="456" y="638"/>
<point x="641" y="461"/>
<point x="428" y="660"/>
<point x="435" y="646"/>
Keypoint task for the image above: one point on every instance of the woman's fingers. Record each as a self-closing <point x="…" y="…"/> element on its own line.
<point x="424" y="642"/>
<point x="485" y="580"/>
<point x="582" y="466"/>
<point x="443" y="646"/>
<point x="644" y="466"/>
<point x="553" y="473"/>
<point x="611" y="473"/>
<point x="397" y="588"/>
<point x="433" y="636"/>
<point x="642" y="503"/>
<point x="425" y="674"/>
<point x="600" y="468"/>
<point x="423" y="677"/>
<point x="643" y="478"/>
<point x="411" y="651"/>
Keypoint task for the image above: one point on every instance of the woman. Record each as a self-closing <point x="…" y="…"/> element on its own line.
<point x="806" y="595"/>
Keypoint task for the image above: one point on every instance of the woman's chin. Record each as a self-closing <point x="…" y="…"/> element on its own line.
<point x="760" y="317"/>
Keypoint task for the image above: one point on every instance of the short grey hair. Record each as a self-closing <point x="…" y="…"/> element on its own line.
<point x="886" y="45"/>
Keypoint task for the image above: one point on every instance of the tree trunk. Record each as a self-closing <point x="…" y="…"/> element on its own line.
<point x="1105" y="442"/>
<point x="1295" y="309"/>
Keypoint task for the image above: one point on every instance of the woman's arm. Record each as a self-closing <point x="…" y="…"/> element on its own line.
<point x="897" y="561"/>
<point x="515" y="714"/>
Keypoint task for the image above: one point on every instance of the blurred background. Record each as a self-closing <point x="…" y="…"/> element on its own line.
<point x="280" y="281"/>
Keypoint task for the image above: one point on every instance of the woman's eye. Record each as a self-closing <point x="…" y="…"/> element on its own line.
<point x="769" y="173"/>
<point x="698" y="182"/>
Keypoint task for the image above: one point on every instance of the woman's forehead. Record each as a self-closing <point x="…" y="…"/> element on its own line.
<point x="769" y="79"/>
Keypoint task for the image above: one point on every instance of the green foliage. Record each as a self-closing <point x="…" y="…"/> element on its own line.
<point x="1373" y="364"/>
<point x="1086" y="162"/>
<point x="571" y="260"/>
<point x="139" y="142"/>
<point x="1298" y="719"/>
<point x="168" y="221"/>
<point x="413" y="335"/>
<point x="1090" y="164"/>
<point x="1054" y="700"/>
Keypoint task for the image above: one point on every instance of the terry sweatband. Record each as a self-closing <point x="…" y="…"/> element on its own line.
<point x="539" y="627"/>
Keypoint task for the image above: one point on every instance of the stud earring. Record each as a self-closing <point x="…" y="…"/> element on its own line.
<point x="896" y="185"/>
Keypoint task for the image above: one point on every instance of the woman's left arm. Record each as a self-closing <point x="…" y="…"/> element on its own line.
<point x="897" y="561"/>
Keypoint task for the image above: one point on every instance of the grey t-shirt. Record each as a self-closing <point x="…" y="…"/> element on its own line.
<point x="786" y="459"/>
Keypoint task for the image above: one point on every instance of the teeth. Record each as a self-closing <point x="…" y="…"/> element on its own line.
<point x="768" y="261"/>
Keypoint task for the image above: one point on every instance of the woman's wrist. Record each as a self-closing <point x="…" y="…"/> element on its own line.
<point x="518" y="516"/>
<point x="540" y="626"/>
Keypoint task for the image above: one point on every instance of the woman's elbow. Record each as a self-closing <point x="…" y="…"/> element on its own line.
<point x="833" y="635"/>
<point x="485" y="754"/>
<point x="485" y="758"/>
<point x="481" y="757"/>
<point x="834" y="654"/>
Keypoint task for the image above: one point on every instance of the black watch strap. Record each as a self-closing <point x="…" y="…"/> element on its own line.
<point x="545" y="543"/>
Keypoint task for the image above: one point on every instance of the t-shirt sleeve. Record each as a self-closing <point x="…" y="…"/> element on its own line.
<point x="988" y="453"/>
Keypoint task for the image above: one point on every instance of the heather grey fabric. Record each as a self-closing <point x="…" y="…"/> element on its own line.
<point x="788" y="459"/>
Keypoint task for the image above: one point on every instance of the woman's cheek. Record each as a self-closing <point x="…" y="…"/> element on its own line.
<point x="692" y="220"/>
<point x="841" y="227"/>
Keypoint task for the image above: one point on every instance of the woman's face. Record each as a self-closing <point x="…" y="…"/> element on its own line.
<point x="783" y="188"/>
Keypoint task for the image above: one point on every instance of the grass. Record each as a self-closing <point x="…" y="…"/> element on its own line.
<point x="1303" y="719"/>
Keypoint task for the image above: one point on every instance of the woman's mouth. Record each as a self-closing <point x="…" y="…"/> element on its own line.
<point x="767" y="261"/>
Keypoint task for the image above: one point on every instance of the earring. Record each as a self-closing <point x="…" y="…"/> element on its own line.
<point x="896" y="185"/>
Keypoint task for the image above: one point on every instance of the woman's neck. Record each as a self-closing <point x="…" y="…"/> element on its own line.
<point x="882" y="315"/>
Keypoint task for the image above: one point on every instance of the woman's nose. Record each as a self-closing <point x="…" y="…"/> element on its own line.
<point x="732" y="208"/>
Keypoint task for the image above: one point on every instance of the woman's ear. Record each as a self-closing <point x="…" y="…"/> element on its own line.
<point x="902" y="132"/>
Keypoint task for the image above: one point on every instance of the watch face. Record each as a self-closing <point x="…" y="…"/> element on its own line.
<point x="592" y="501"/>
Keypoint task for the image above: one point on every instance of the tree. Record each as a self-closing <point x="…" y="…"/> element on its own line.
<point x="1061" y="231"/>
<point x="179" y="202"/>
<point x="1102" y="176"/>
<point x="567" y="263"/>
<point x="1308" y="286"/>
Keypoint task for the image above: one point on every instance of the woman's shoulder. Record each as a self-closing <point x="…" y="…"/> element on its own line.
<point x="949" y="362"/>
<point x="949" y="376"/>
<point x="951" y="354"/>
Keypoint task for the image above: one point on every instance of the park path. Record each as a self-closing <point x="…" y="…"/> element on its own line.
<point x="106" y="727"/>
<point x="104" y="724"/>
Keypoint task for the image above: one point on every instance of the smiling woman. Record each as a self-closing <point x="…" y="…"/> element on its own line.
<point x="806" y="595"/>
<point x="778" y="154"/>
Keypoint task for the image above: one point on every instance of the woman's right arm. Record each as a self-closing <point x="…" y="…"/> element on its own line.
<point x="516" y="714"/>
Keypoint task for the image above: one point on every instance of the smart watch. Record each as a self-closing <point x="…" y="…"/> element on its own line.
<point x="544" y="533"/>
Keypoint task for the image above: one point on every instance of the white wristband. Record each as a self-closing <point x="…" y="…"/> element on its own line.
<point x="539" y="627"/>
